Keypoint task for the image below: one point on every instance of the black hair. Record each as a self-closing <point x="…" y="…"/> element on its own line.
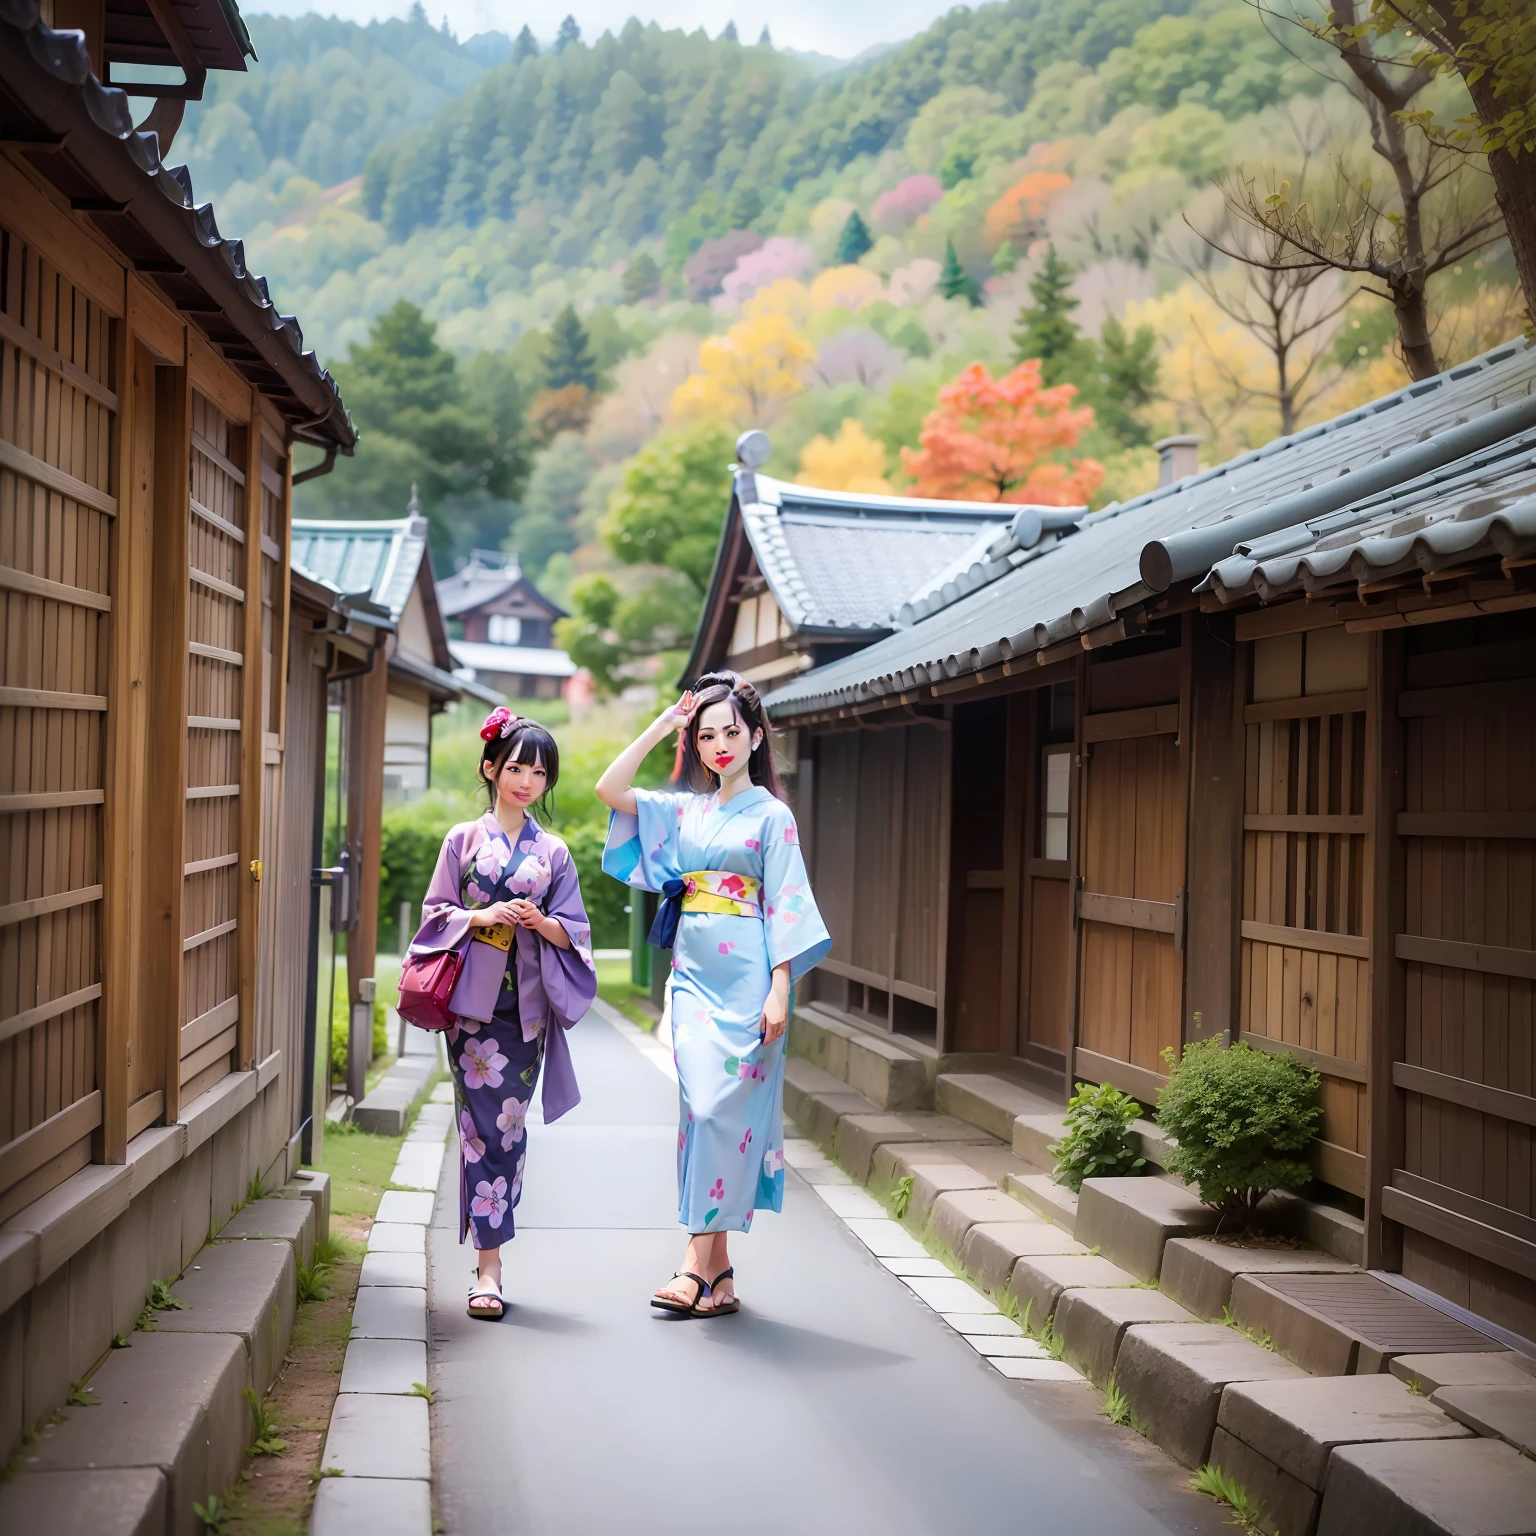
<point x="526" y="742"/>
<point x="725" y="687"/>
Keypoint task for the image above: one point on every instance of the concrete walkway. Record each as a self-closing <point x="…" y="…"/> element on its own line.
<point x="834" y="1402"/>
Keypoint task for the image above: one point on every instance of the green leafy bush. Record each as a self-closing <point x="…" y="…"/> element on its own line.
<point x="1099" y="1143"/>
<point x="1243" y="1120"/>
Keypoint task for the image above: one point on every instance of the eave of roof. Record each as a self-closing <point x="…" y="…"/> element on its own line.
<point x="438" y="683"/>
<point x="87" y="147"/>
<point x="1091" y="580"/>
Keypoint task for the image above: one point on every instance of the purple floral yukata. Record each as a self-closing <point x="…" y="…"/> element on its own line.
<point x="505" y="1001"/>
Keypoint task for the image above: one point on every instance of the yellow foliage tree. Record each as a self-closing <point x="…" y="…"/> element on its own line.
<point x="746" y="374"/>
<point x="845" y="288"/>
<point x="851" y="461"/>
<point x="784" y="297"/>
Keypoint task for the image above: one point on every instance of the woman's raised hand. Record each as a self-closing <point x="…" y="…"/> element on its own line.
<point x="677" y="716"/>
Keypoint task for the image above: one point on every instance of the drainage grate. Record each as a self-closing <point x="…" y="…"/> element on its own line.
<point x="1381" y="1316"/>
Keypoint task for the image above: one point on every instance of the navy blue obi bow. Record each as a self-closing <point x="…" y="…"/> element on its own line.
<point x="663" y="932"/>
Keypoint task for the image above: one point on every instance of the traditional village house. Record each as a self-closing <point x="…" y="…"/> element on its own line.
<point x="1287" y="800"/>
<point x="503" y="629"/>
<point x="162" y="714"/>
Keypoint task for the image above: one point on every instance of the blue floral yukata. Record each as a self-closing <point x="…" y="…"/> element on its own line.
<point x="513" y="987"/>
<point x="745" y="856"/>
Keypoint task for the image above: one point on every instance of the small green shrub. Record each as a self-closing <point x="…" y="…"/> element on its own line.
<point x="1099" y="1142"/>
<point x="161" y="1300"/>
<point x="901" y="1196"/>
<point x="1243" y="1120"/>
<point x="313" y="1281"/>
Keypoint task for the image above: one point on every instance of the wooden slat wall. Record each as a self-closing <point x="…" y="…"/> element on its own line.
<point x="833" y="851"/>
<point x="1132" y="845"/>
<point x="1305" y="975"/>
<point x="57" y="500"/>
<point x="877" y="891"/>
<point x="1472" y="1026"/>
<point x="216" y="652"/>
<point x="917" y="950"/>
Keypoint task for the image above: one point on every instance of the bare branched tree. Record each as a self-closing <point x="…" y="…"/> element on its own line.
<point x="1437" y="209"/>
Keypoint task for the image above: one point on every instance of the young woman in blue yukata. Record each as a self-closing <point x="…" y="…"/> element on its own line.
<point x="506" y="893"/>
<point x="743" y="926"/>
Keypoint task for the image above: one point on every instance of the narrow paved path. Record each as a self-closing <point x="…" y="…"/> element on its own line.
<point x="834" y="1402"/>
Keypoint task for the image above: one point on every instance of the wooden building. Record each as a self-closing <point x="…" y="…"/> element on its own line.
<point x="162" y="713"/>
<point x="502" y="629"/>
<point x="388" y="562"/>
<point x="1108" y="802"/>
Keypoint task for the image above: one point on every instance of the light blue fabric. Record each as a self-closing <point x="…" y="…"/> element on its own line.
<point x="730" y="1139"/>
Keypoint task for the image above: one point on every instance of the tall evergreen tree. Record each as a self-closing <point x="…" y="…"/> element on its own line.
<point x="642" y="277"/>
<point x="1127" y="381"/>
<point x="765" y="38"/>
<point x="954" y="281"/>
<point x="745" y="205"/>
<point x="1046" y="329"/>
<point x="568" y="355"/>
<point x="569" y="33"/>
<point x="854" y="241"/>
<point x="729" y="34"/>
<point x="526" y="46"/>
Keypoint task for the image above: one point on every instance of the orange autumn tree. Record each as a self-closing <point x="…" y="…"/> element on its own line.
<point x="1018" y="216"/>
<point x="1002" y="440"/>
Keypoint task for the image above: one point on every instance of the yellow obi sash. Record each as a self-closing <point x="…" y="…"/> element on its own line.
<point x="499" y="934"/>
<point x="720" y="891"/>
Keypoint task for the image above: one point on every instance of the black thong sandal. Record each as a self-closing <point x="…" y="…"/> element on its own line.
<point x="732" y="1303"/>
<point x="683" y="1308"/>
<point x="483" y="1291"/>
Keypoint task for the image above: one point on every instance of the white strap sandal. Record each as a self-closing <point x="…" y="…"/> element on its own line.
<point x="485" y="1291"/>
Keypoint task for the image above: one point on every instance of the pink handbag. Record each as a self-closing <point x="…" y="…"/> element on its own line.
<point x="426" y="984"/>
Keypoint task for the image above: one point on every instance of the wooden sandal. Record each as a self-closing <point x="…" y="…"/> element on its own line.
<point x="680" y="1308"/>
<point x="485" y="1290"/>
<point x="722" y="1308"/>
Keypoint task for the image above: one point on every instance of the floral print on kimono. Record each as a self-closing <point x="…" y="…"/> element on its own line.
<point x="730" y="1144"/>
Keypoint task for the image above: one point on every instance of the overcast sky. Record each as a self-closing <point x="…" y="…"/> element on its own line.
<point x="839" y="27"/>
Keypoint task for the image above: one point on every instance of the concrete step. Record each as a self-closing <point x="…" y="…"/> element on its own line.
<point x="1199" y="1272"/>
<point x="1038" y="1283"/>
<point x="1173" y="1375"/>
<point x="1130" y="1219"/>
<point x="127" y="1501"/>
<point x="1277" y="1438"/>
<point x="1470" y="1488"/>
<point x="816" y="1100"/>
<point x="858" y="1136"/>
<point x="1035" y="1134"/>
<point x="1092" y="1323"/>
<point x="992" y="1249"/>
<point x="881" y="1067"/>
<point x="1043" y="1195"/>
<point x="988" y="1101"/>
<point x="289" y="1220"/>
<point x="1505" y="1413"/>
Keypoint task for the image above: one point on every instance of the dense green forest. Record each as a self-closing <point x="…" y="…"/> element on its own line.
<point x="554" y="281"/>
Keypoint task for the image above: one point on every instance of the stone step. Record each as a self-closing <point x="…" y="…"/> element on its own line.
<point x="1505" y="1413"/>
<point x="1346" y="1322"/>
<point x="1035" y="1134"/>
<point x="1277" y="1438"/>
<point x="816" y="1100"/>
<point x="1199" y="1272"/>
<point x="989" y="1102"/>
<point x="992" y="1249"/>
<point x="1042" y="1194"/>
<point x="1130" y="1219"/>
<point x="858" y="1136"/>
<point x="1173" y="1375"/>
<point x="1038" y="1283"/>
<point x="1465" y="1487"/>
<point x="289" y="1220"/>
<point x="1092" y="1323"/>
<point x="881" y="1067"/>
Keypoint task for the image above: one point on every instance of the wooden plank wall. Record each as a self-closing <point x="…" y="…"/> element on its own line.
<point x="1465" y="1186"/>
<point x="1305" y="968"/>
<point x="216" y="646"/>
<point x="58" y="403"/>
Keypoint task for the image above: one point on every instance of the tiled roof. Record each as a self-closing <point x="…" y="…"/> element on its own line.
<point x="380" y="558"/>
<point x="513" y="660"/>
<point x="486" y="576"/>
<point x="1089" y="578"/>
<point x="1482" y="507"/>
<point x="87" y="145"/>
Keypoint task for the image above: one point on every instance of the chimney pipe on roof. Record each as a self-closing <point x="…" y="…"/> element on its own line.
<point x="1176" y="458"/>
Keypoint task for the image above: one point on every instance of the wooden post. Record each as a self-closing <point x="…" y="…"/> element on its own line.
<point x="1214" y="905"/>
<point x="122" y="913"/>
<point x="165" y="817"/>
<point x="941" y="938"/>
<point x="1384" y="906"/>
<point x="253" y="722"/>
<point x="1018" y="783"/>
<point x="1078" y="800"/>
<point x="365" y="820"/>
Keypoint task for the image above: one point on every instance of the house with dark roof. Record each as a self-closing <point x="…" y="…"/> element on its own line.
<point x="501" y="628"/>
<point x="160" y="916"/>
<point x="1245" y="757"/>
<point x="389" y="562"/>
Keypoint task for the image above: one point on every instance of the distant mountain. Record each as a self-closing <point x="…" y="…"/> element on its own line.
<point x="488" y="49"/>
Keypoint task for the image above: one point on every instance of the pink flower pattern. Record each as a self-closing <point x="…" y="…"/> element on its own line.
<point x="482" y="1063"/>
<point x="474" y="1148"/>
<point x="490" y="1200"/>
<point x="510" y="1122"/>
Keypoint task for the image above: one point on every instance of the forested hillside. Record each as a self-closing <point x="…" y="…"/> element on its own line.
<point x="554" y="287"/>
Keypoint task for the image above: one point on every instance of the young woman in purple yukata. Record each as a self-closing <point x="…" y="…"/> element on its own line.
<point x="743" y="927"/>
<point x="506" y="892"/>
